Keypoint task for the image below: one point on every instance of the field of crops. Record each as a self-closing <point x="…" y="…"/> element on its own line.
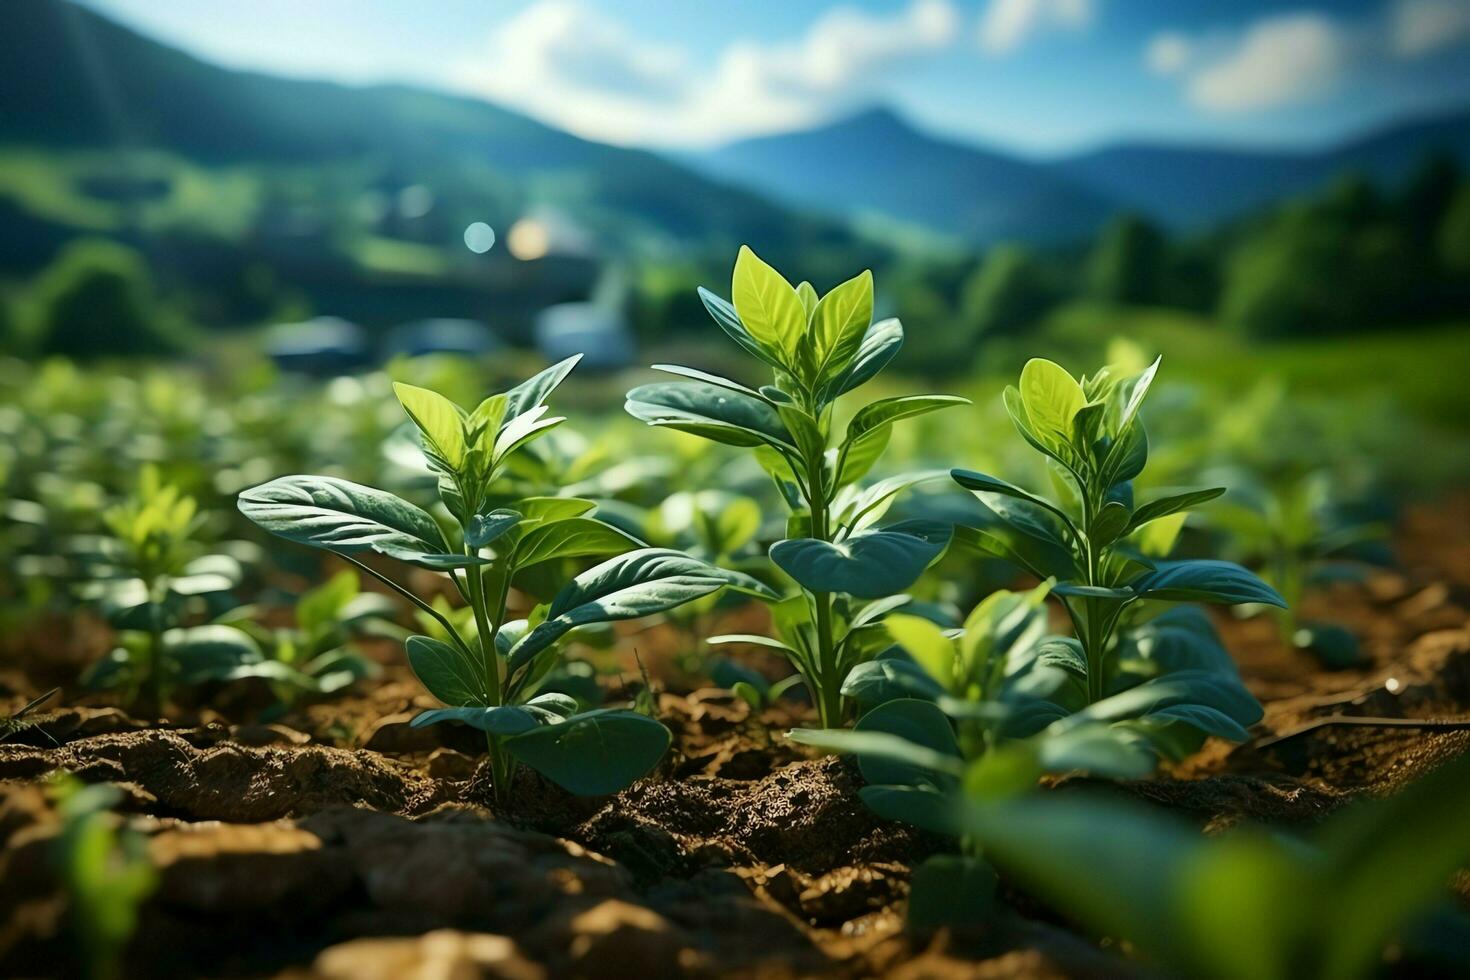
<point x="776" y="664"/>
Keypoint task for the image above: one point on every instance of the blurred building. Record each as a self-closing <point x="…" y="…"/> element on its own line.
<point x="598" y="332"/>
<point x="441" y="335"/>
<point x="324" y="345"/>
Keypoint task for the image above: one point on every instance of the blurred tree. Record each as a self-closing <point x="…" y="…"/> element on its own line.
<point x="1127" y="263"/>
<point x="1320" y="267"/>
<point x="935" y="342"/>
<point x="1007" y="293"/>
<point x="1426" y="199"/>
<point x="97" y="300"/>
<point x="1454" y="237"/>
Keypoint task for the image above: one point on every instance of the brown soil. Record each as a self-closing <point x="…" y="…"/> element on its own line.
<point x="339" y="842"/>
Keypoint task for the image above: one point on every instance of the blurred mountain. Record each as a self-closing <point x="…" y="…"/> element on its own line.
<point x="72" y="81"/>
<point x="875" y="164"/>
<point x="1192" y="186"/>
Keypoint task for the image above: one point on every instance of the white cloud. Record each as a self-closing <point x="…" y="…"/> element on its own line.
<point x="1278" y="61"/>
<point x="1288" y="59"/>
<point x="567" y="63"/>
<point x="1168" y="53"/>
<point x="1418" y="27"/>
<point x="1006" y="24"/>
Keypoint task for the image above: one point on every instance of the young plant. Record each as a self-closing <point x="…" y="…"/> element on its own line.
<point x="104" y="871"/>
<point x="317" y="656"/>
<point x="148" y="571"/>
<point x="1095" y="540"/>
<point x="1249" y="904"/>
<point x="489" y="679"/>
<point x="1290" y="526"/>
<point x="818" y="349"/>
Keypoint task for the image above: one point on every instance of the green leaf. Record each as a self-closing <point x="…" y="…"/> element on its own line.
<point x="203" y="653"/>
<point x="724" y="314"/>
<point x="705" y="377"/>
<point x="639" y="583"/>
<point x="858" y="455"/>
<point x="869" y="565"/>
<point x="926" y="807"/>
<point x="1205" y="580"/>
<point x="336" y="515"/>
<point x="880" y="345"/>
<point x="443" y="670"/>
<point x="1171" y="504"/>
<point x="922" y="725"/>
<point x="1052" y="398"/>
<point x="951" y="890"/>
<point x="576" y="537"/>
<point x="486" y="528"/>
<point x="888" y="410"/>
<point x="594" y="753"/>
<point x="534" y="390"/>
<point x="754" y="639"/>
<point x="860" y="509"/>
<point x="840" y="322"/>
<point x="669" y="403"/>
<point x="986" y="486"/>
<point x="872" y="683"/>
<point x="926" y="643"/>
<point x="522" y="429"/>
<point x="485" y="421"/>
<point x="808" y="297"/>
<point x="768" y="307"/>
<point x="320" y="608"/>
<point x="438" y="419"/>
<point x="504" y="720"/>
<point x="1137" y="389"/>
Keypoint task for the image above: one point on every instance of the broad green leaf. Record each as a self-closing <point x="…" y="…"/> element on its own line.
<point x="880" y="345"/>
<point x="696" y="402"/>
<point x="485" y="421"/>
<point x="926" y="643"/>
<point x="639" y="583"/>
<point x="840" y="322"/>
<point x="201" y="653"/>
<point x="1137" y="389"/>
<point x="1052" y="398"/>
<point x="1171" y="504"/>
<point x="724" y="314"/>
<point x="439" y="420"/>
<point x="336" y="515"/>
<point x="767" y="305"/>
<point x="486" y="528"/>
<point x="443" y="670"/>
<point x="926" y="807"/>
<point x="921" y="724"/>
<point x="888" y="410"/>
<point x="1099" y="750"/>
<point x="985" y="486"/>
<point x="576" y="537"/>
<point x="320" y="608"/>
<point x="869" y="565"/>
<point x="504" y="720"/>
<point x="858" y="455"/>
<point x="1205" y="580"/>
<point x="884" y="749"/>
<point x="594" y="753"/>
<point x="705" y="377"/>
<point x="859" y="509"/>
<point x="887" y="679"/>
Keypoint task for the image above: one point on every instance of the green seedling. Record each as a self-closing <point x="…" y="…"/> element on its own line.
<point x="20" y="720"/>
<point x="148" y="571"/>
<point x="1097" y="542"/>
<point x="105" y="874"/>
<point x="818" y="349"/>
<point x="1293" y="530"/>
<point x="1248" y="904"/>
<point x="490" y="678"/>
<point x="318" y="656"/>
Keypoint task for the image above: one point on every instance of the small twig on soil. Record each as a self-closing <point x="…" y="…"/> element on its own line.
<point x="1361" y="721"/>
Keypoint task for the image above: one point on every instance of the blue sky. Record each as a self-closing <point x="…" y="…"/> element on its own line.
<point x="1038" y="76"/>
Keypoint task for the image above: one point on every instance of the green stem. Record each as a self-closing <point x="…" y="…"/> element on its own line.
<point x="501" y="766"/>
<point x="828" y="695"/>
<point x="153" y="692"/>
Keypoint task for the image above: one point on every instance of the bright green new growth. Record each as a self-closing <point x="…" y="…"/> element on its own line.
<point x="1101" y="546"/>
<point x="146" y="573"/>
<point x="818" y="349"/>
<point x="489" y="677"/>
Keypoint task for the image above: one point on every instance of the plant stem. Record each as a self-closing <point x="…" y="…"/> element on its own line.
<point x="490" y="661"/>
<point x="828" y="695"/>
